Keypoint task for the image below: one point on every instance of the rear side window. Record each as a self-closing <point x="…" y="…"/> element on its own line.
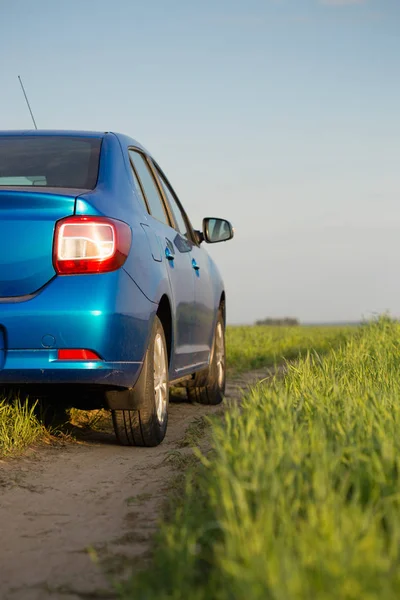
<point x="149" y="186"/>
<point x="139" y="190"/>
<point x="49" y="161"/>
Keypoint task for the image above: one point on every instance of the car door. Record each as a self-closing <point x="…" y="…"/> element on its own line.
<point x="176" y="253"/>
<point x="204" y="293"/>
<point x="205" y="303"/>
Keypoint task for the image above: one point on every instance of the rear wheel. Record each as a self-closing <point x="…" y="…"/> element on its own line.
<point x="148" y="425"/>
<point x="211" y="389"/>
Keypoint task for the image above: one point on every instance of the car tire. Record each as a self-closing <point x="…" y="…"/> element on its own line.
<point x="147" y="425"/>
<point x="211" y="388"/>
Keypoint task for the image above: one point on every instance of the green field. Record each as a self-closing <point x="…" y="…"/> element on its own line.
<point x="262" y="346"/>
<point x="300" y="496"/>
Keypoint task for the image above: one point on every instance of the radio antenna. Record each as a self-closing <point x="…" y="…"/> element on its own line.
<point x="27" y="101"/>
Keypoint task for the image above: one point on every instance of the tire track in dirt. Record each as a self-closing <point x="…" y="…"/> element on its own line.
<point x="59" y="504"/>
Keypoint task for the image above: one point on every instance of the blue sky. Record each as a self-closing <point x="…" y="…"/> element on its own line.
<point x="280" y="115"/>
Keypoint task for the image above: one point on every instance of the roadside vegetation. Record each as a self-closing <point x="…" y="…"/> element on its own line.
<point x="299" y="496"/>
<point x="19" y="426"/>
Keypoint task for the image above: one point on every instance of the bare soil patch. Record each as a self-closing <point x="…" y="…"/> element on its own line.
<point x="77" y="515"/>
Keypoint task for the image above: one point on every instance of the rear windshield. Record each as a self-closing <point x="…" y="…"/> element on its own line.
<point x="49" y="161"/>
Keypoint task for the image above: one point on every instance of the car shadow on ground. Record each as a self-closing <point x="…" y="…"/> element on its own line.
<point x="95" y="426"/>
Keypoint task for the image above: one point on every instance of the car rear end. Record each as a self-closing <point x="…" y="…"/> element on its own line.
<point x="69" y="312"/>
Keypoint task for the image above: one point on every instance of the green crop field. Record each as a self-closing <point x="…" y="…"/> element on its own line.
<point x="299" y="498"/>
<point x="263" y="346"/>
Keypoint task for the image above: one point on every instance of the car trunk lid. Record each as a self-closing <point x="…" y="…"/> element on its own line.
<point x="27" y="222"/>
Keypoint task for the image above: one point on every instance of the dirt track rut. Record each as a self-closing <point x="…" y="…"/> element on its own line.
<point x="61" y="506"/>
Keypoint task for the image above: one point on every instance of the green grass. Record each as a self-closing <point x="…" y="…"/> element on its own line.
<point x="19" y="426"/>
<point x="262" y="346"/>
<point x="300" y="497"/>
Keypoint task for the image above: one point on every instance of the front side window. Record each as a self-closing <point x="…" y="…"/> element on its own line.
<point x="49" y="161"/>
<point x="175" y="208"/>
<point x="149" y="186"/>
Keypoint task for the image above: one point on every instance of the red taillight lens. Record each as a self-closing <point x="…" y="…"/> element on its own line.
<point x="90" y="245"/>
<point x="77" y="355"/>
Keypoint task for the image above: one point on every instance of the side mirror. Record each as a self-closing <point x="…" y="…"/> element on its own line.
<point x="217" y="230"/>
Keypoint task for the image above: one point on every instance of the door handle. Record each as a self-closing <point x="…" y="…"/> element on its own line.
<point x="168" y="254"/>
<point x="195" y="265"/>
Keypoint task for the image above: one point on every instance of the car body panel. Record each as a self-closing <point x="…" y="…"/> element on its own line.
<point x="208" y="292"/>
<point x="27" y="222"/>
<point x="181" y="283"/>
<point x="57" y="317"/>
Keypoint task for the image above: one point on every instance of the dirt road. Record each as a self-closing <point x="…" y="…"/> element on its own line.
<point x="60" y="507"/>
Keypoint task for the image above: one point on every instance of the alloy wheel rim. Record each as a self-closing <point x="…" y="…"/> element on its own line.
<point x="220" y="355"/>
<point x="160" y="379"/>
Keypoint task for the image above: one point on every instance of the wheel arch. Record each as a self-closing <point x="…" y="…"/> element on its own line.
<point x="133" y="398"/>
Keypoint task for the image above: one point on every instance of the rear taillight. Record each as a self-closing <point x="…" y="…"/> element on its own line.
<point x="90" y="245"/>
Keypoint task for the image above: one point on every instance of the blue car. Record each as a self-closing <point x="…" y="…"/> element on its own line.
<point x="107" y="295"/>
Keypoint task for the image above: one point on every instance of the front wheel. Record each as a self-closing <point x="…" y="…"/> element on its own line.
<point x="148" y="425"/>
<point x="211" y="389"/>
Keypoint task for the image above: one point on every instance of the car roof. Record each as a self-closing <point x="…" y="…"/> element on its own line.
<point x="124" y="139"/>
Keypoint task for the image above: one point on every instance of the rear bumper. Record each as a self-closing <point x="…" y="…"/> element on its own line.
<point x="41" y="367"/>
<point x="106" y="313"/>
